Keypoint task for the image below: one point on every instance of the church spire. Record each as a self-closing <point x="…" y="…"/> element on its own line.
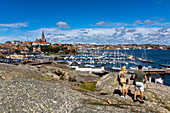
<point x="43" y="37"/>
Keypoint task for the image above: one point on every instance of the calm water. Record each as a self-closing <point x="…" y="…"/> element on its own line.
<point x="158" y="56"/>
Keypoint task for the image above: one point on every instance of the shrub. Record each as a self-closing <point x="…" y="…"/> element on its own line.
<point x="91" y="86"/>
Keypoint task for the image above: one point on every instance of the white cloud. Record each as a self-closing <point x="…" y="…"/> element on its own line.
<point x="103" y="23"/>
<point x="118" y="24"/>
<point x="45" y="29"/>
<point x="164" y="24"/>
<point x="11" y="38"/>
<point x="4" y="29"/>
<point x="161" y="19"/>
<point x="3" y="38"/>
<point x="97" y="35"/>
<point x="148" y="22"/>
<point x="62" y="25"/>
<point x="137" y="22"/>
<point x="109" y="24"/>
<point x="14" y="25"/>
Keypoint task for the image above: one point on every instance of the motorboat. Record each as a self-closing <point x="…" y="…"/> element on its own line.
<point x="134" y="68"/>
<point x="90" y="69"/>
<point x="156" y="78"/>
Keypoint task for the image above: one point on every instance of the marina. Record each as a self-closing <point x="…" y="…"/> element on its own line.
<point x="105" y="61"/>
<point x="113" y="60"/>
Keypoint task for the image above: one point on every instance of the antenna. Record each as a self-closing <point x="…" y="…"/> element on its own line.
<point x="27" y="38"/>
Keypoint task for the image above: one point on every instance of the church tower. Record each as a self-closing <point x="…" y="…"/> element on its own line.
<point x="43" y="37"/>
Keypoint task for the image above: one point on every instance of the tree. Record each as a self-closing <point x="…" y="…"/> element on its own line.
<point x="73" y="51"/>
<point x="56" y="49"/>
<point x="8" y="42"/>
<point x="17" y="51"/>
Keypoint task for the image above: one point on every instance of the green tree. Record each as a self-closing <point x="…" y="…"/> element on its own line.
<point x="56" y="49"/>
<point x="17" y="51"/>
<point x="73" y="51"/>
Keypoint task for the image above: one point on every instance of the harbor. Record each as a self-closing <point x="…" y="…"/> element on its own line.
<point x="113" y="60"/>
<point x="105" y="61"/>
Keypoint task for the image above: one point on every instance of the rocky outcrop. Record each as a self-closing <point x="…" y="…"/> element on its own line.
<point x="110" y="82"/>
<point x="57" y="73"/>
<point x="70" y="75"/>
<point x="24" y="89"/>
<point x="31" y="95"/>
<point x="20" y="71"/>
<point x="156" y="95"/>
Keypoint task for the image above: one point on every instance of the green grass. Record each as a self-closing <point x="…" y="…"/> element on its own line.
<point x="167" y="107"/>
<point x="45" y="78"/>
<point x="91" y="86"/>
<point x="80" y="90"/>
<point x="95" y="103"/>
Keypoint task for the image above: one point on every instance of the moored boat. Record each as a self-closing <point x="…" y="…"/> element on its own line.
<point x="164" y="65"/>
<point x="156" y="78"/>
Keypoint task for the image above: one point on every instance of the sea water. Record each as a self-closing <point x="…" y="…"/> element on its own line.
<point x="158" y="56"/>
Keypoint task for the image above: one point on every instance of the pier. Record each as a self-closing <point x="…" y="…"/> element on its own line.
<point x="148" y="72"/>
<point x="152" y="71"/>
<point x="39" y="63"/>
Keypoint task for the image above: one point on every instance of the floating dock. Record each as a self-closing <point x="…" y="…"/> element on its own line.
<point x="148" y="72"/>
<point x="40" y="63"/>
<point x="152" y="71"/>
<point x="164" y="65"/>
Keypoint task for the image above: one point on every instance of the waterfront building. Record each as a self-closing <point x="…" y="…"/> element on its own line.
<point x="4" y="50"/>
<point x="31" y="49"/>
<point x="15" y="42"/>
<point x="17" y="55"/>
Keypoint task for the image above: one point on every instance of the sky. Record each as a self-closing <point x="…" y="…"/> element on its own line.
<point x="86" y="21"/>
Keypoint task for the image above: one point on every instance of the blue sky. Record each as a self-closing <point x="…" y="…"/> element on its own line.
<point x="26" y="18"/>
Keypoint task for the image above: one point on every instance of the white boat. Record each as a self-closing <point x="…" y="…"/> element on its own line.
<point x="126" y="63"/>
<point x="143" y="60"/>
<point x="88" y="65"/>
<point x="130" y="57"/>
<point x="149" y="48"/>
<point x="134" y="68"/>
<point x="146" y="67"/>
<point x="98" y="69"/>
<point x="90" y="69"/>
<point x="65" y="58"/>
<point x="74" y="64"/>
<point x="156" y="78"/>
<point x="116" y="68"/>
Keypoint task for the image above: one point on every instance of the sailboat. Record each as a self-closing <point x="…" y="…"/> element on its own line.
<point x="134" y="63"/>
<point x="114" y="67"/>
<point x="145" y="67"/>
<point x="124" y="62"/>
